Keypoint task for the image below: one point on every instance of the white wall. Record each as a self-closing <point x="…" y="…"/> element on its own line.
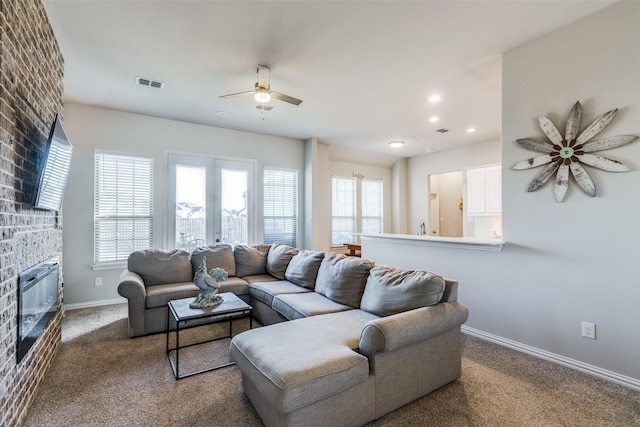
<point x="91" y="128"/>
<point x="563" y="262"/>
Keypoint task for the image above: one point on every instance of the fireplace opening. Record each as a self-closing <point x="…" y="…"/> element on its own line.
<point x="37" y="303"/>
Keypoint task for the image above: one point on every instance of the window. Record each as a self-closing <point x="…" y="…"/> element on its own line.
<point x="343" y="210"/>
<point x="123" y="206"/>
<point x="347" y="219"/>
<point x="280" y="206"/>
<point x="371" y="191"/>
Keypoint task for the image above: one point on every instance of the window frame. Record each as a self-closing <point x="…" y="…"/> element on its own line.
<point x="293" y="201"/>
<point x="130" y="192"/>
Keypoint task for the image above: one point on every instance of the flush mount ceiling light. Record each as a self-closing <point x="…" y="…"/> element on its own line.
<point x="262" y="95"/>
<point x="434" y="119"/>
<point x="471" y="130"/>
<point x="434" y="98"/>
<point x="222" y="113"/>
<point x="396" y="144"/>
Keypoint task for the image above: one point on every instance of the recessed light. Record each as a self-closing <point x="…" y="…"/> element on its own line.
<point x="435" y="98"/>
<point x="471" y="130"/>
<point x="222" y="113"/>
<point x="396" y="144"/>
<point x="434" y="119"/>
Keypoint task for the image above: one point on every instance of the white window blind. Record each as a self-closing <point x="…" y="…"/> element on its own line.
<point x="343" y="210"/>
<point x="371" y="191"/>
<point x="123" y="206"/>
<point x="280" y="206"/>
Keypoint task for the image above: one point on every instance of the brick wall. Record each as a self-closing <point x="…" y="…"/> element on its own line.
<point x="31" y="90"/>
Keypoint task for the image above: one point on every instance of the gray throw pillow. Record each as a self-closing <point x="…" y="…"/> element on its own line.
<point x="220" y="256"/>
<point x="392" y="290"/>
<point x="342" y="278"/>
<point x="157" y="267"/>
<point x="303" y="268"/>
<point x="278" y="259"/>
<point x="251" y="260"/>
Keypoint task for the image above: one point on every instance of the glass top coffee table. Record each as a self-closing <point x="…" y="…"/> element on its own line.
<point x="230" y="309"/>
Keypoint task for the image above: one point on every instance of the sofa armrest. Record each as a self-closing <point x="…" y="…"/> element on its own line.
<point x="409" y="327"/>
<point x="131" y="285"/>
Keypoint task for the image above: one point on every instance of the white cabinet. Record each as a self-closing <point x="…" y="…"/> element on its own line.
<point x="484" y="191"/>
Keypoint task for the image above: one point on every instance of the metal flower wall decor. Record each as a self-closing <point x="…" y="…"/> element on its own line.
<point x="564" y="154"/>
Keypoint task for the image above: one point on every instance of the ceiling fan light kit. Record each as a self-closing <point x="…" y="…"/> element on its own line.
<point x="262" y="92"/>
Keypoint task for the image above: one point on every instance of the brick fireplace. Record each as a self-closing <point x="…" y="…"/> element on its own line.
<point x="31" y="93"/>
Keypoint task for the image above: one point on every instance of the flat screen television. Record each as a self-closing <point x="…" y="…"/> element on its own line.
<point x="54" y="169"/>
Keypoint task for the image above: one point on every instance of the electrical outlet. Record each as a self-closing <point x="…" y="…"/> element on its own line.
<point x="97" y="281"/>
<point x="589" y="330"/>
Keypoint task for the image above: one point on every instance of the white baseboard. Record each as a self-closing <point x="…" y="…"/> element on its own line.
<point x="556" y="358"/>
<point x="98" y="303"/>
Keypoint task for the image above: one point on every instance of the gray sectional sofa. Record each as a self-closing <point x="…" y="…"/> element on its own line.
<point x="346" y="343"/>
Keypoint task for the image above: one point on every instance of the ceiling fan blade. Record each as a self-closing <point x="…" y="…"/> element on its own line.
<point x="263" y="76"/>
<point x="285" y="98"/>
<point x="231" y="95"/>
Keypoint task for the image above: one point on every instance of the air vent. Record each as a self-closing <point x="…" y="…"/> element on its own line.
<point x="264" y="107"/>
<point x="143" y="81"/>
<point x="442" y="130"/>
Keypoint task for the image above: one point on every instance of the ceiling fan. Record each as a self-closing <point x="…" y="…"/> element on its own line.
<point x="262" y="91"/>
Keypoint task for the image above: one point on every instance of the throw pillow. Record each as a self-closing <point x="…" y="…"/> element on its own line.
<point x="342" y="278"/>
<point x="303" y="268"/>
<point x="220" y="256"/>
<point x="158" y="267"/>
<point x="251" y="260"/>
<point x="278" y="259"/>
<point x="392" y="290"/>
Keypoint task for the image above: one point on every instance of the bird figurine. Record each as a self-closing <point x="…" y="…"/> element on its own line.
<point x="207" y="282"/>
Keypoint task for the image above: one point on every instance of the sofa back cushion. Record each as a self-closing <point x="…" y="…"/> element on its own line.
<point x="157" y="267"/>
<point x="303" y="268"/>
<point x="220" y="256"/>
<point x="251" y="260"/>
<point x="278" y="259"/>
<point x="342" y="279"/>
<point x="392" y="290"/>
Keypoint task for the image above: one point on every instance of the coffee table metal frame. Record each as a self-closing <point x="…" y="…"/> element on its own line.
<point x="230" y="309"/>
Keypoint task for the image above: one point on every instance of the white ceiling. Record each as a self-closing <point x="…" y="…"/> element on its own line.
<point x="364" y="69"/>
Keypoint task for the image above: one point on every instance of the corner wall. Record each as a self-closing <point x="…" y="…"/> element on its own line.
<point x="31" y="90"/>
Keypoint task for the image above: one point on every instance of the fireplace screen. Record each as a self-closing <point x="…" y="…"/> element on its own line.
<point x="37" y="303"/>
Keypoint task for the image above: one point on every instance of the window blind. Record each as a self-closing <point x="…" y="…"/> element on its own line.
<point x="280" y="206"/>
<point x="371" y="191"/>
<point x="123" y="206"/>
<point x="343" y="207"/>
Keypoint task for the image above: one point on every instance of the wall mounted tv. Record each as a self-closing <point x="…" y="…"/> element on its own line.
<point x="54" y="169"/>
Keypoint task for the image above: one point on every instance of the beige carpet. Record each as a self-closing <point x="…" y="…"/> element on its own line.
<point x="102" y="378"/>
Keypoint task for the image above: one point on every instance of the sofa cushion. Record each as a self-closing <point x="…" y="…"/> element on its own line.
<point x="278" y="259"/>
<point x="392" y="290"/>
<point x="303" y="268"/>
<point x="236" y="285"/>
<point x="259" y="278"/>
<point x="298" y="306"/>
<point x="266" y="291"/>
<point x="342" y="278"/>
<point x="220" y="256"/>
<point x="160" y="295"/>
<point x="251" y="260"/>
<point x="157" y="267"/>
<point x="313" y="358"/>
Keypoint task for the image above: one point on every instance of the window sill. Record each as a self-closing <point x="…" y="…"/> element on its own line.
<point x="116" y="265"/>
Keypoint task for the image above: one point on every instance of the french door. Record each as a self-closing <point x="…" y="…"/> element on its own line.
<point x="209" y="201"/>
